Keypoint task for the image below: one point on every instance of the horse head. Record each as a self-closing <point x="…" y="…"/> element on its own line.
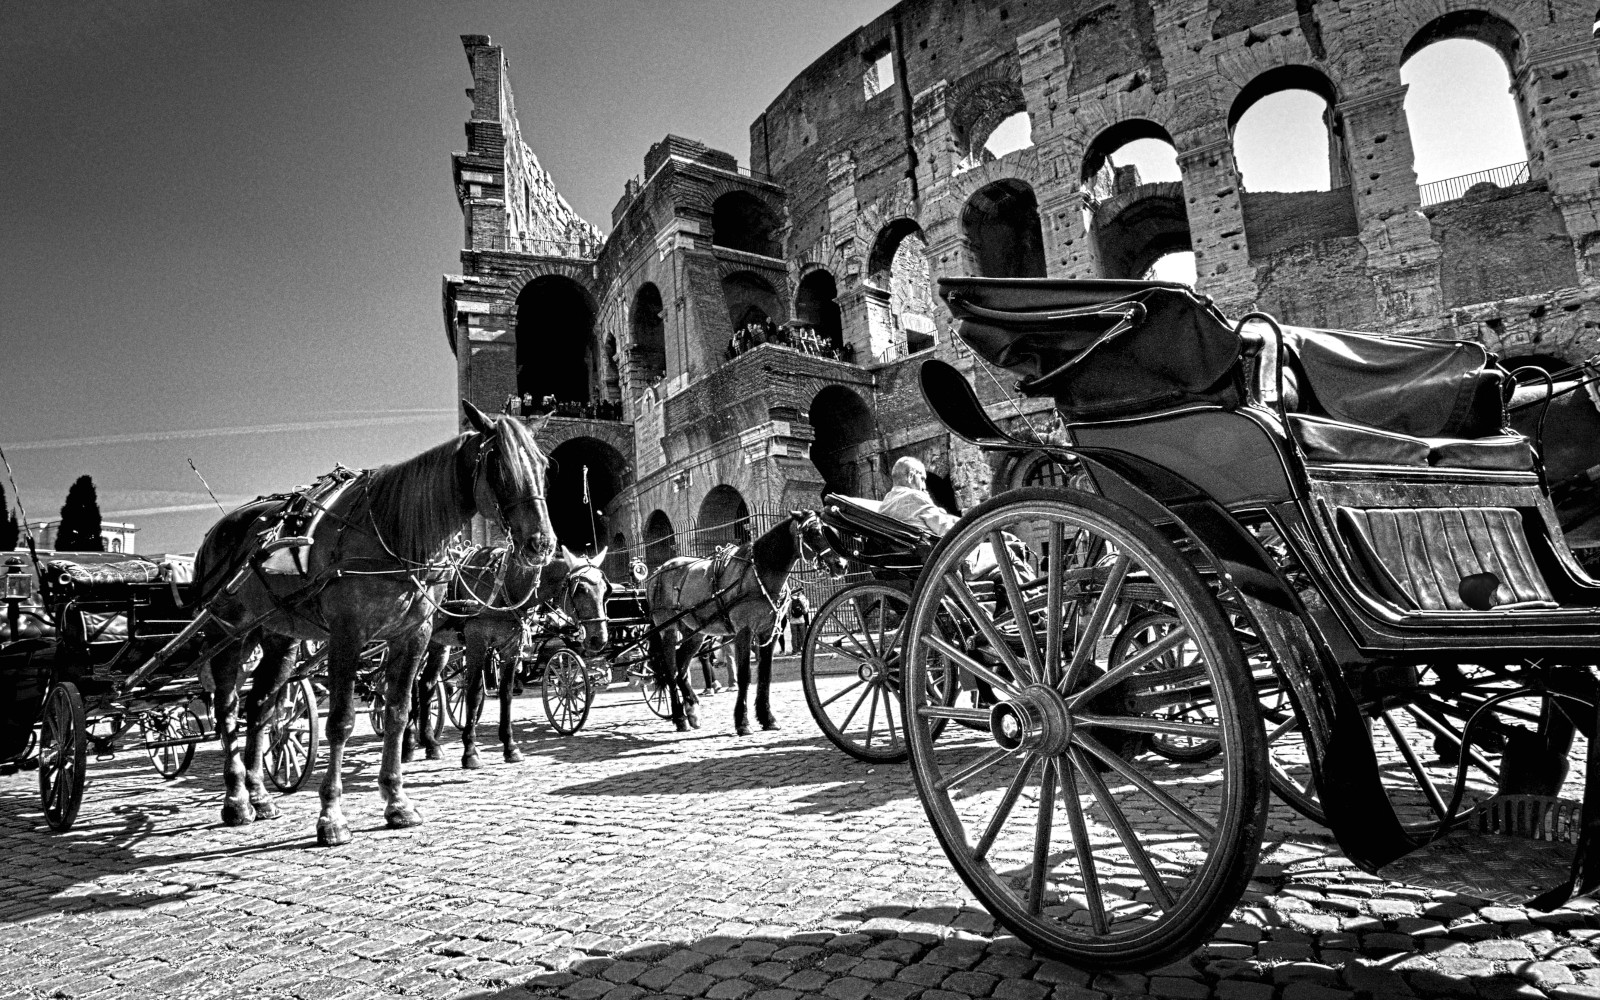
<point x="578" y="587"/>
<point x="812" y="542"/>
<point x="508" y="479"/>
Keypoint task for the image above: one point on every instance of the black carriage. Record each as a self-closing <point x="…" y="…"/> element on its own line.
<point x="106" y="654"/>
<point x="1312" y="562"/>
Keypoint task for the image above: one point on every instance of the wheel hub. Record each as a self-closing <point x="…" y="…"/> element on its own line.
<point x="1035" y="719"/>
<point x="872" y="670"/>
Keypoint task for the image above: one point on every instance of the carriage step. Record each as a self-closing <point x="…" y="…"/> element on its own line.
<point x="1514" y="849"/>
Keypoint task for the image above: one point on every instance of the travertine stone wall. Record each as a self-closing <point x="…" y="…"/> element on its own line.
<point x="850" y="169"/>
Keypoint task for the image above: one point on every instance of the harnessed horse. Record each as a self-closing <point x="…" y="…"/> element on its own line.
<point x="376" y="569"/>
<point x="741" y="593"/>
<point x="489" y="615"/>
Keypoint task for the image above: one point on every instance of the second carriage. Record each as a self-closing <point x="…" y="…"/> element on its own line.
<point x="1309" y="561"/>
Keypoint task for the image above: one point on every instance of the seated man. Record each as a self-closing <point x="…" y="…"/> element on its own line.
<point x="908" y="499"/>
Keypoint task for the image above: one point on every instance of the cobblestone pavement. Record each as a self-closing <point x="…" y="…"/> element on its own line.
<point x="630" y="861"/>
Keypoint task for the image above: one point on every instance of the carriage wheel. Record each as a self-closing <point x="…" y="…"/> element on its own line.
<point x="292" y="736"/>
<point x="453" y="687"/>
<point x="63" y="746"/>
<point x="656" y="696"/>
<point x="850" y="671"/>
<point x="177" y="722"/>
<point x="375" y="708"/>
<point x="1054" y="812"/>
<point x="1417" y="736"/>
<point x="568" y="691"/>
<point x="1147" y="628"/>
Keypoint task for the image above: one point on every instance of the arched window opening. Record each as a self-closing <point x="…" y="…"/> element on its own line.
<point x="741" y="221"/>
<point x="1140" y="227"/>
<point x="816" y="312"/>
<point x="1130" y="153"/>
<point x="900" y="301"/>
<point x="1174" y="265"/>
<point x="724" y="520"/>
<point x="649" y="350"/>
<point x="752" y="306"/>
<point x="1001" y="225"/>
<point x="1461" y="109"/>
<point x="585" y="475"/>
<point x="1012" y="134"/>
<point x="659" y="544"/>
<point x="1287" y="136"/>
<point x="1043" y="470"/>
<point x="555" y="340"/>
<point x="842" y="447"/>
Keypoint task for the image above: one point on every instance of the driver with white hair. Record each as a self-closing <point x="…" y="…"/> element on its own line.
<point x="909" y="501"/>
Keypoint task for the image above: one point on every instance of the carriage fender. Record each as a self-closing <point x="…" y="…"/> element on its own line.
<point x="1344" y="765"/>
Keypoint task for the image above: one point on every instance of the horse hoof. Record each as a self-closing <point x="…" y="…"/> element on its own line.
<point x="266" y="809"/>
<point x="682" y="724"/>
<point x="434" y="753"/>
<point x="694" y="721"/>
<point x="407" y="756"/>
<point x="471" y="763"/>
<point x="331" y="834"/>
<point x="399" y="819"/>
<point x="743" y="729"/>
<point x="234" y="814"/>
<point x="513" y="756"/>
<point x="770" y="724"/>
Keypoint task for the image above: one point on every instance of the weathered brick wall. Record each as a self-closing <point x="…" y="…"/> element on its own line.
<point x="1275" y="222"/>
<point x="1502" y="244"/>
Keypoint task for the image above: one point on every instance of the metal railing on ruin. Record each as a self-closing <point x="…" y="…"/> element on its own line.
<point x="1452" y="188"/>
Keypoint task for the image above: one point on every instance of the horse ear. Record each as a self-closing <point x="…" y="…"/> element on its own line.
<point x="600" y="556"/>
<point x="797" y="515"/>
<point x="567" y="555"/>
<point x="480" y="421"/>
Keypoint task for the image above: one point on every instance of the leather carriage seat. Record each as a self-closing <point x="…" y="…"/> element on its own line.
<point x="1369" y="400"/>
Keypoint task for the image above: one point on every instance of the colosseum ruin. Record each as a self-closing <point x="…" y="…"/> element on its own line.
<point x="748" y="335"/>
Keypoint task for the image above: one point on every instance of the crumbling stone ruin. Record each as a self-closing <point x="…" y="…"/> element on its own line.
<point x="748" y="335"/>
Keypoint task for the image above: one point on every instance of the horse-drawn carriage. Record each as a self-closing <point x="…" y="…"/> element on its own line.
<point x="106" y="656"/>
<point x="1312" y="562"/>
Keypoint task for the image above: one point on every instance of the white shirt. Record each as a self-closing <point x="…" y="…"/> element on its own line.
<point x="916" y="507"/>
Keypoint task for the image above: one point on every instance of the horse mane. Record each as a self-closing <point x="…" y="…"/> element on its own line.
<point x="774" y="550"/>
<point x="419" y="503"/>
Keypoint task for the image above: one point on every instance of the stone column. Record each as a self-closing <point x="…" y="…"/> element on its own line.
<point x="1402" y="256"/>
<point x="1216" y="221"/>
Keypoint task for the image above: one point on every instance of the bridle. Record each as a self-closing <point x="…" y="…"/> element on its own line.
<point x="490" y="445"/>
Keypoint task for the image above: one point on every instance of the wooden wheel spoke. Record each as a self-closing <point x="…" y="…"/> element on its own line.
<point x="1082" y="848"/>
<point x="1089" y="639"/>
<point x="997" y="821"/>
<point x="1031" y="663"/>
<point x="871" y="689"/>
<point x="1051" y="672"/>
<point x="1445" y="732"/>
<point x="940" y="644"/>
<point x="872" y="714"/>
<point x="1125" y="832"/>
<point x="866" y="654"/>
<point x="862" y="620"/>
<point x="841" y="693"/>
<point x="1142" y="782"/>
<point x="1148" y="724"/>
<point x="978" y="766"/>
<point x="980" y="617"/>
<point x="1131" y="665"/>
<point x="888" y="716"/>
<point x="1041" y="837"/>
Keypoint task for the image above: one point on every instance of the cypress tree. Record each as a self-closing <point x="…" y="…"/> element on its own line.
<point x="80" y="519"/>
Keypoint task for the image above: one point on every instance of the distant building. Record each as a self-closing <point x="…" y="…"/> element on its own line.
<point x="118" y="537"/>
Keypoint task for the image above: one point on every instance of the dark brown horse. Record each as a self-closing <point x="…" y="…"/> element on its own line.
<point x="502" y="604"/>
<point x="744" y="595"/>
<point x="375" y="571"/>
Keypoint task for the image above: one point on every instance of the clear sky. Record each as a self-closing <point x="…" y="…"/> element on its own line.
<point x="226" y="216"/>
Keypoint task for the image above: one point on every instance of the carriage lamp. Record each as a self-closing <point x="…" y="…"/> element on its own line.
<point x="19" y="590"/>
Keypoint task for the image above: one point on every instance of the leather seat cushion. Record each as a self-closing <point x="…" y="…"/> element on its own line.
<point x="1508" y="452"/>
<point x="1325" y="440"/>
